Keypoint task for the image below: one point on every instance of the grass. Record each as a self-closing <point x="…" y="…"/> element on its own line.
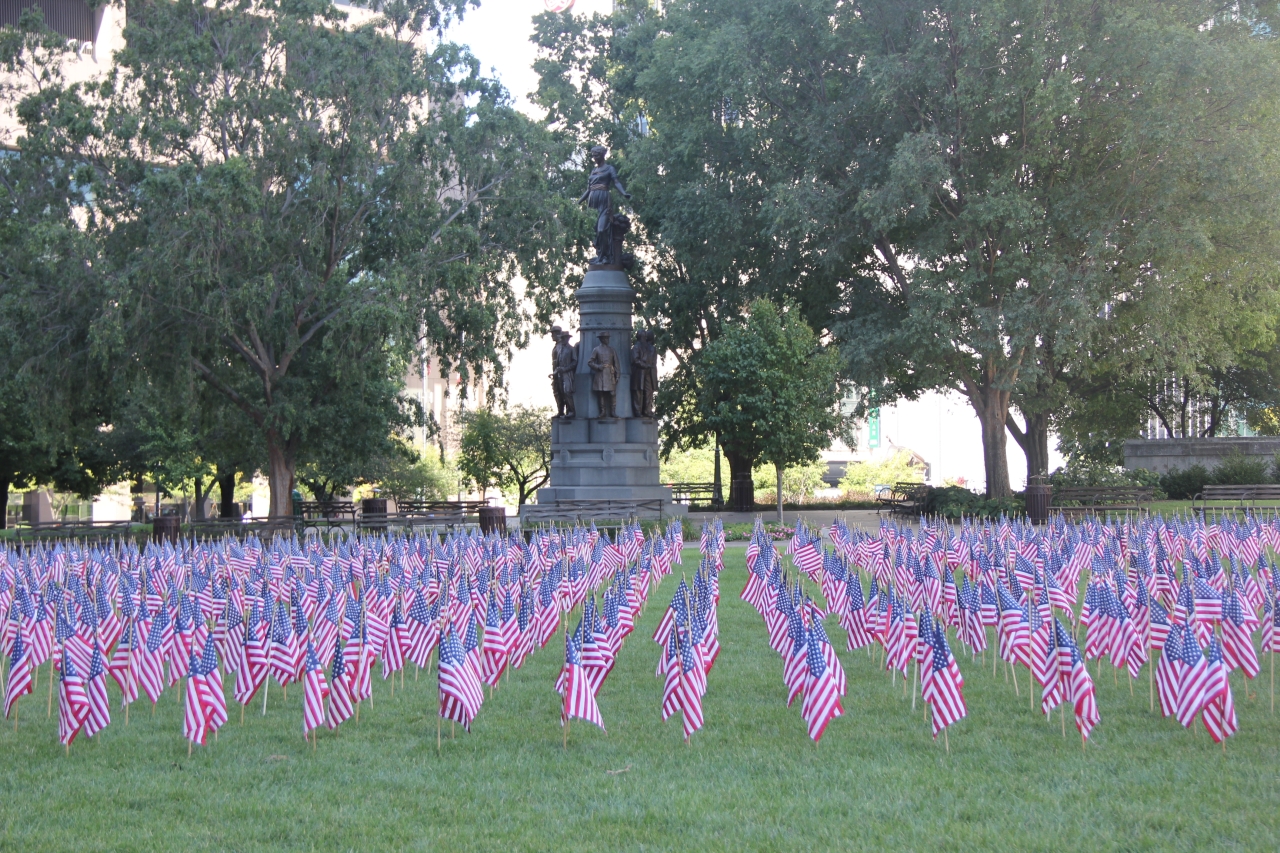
<point x="751" y="780"/>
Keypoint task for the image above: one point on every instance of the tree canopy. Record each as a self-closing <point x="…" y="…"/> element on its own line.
<point x="965" y="195"/>
<point x="289" y="210"/>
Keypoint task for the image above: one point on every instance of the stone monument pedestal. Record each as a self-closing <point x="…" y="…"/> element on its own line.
<point x="594" y="458"/>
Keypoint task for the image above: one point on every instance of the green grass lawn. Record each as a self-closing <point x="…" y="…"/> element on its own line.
<point x="751" y="780"/>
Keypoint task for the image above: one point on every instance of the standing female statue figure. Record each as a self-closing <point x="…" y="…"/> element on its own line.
<point x="599" y="197"/>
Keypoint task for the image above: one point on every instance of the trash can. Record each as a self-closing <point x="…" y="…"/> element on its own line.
<point x="166" y="527"/>
<point x="493" y="519"/>
<point x="373" y="513"/>
<point x="1038" y="498"/>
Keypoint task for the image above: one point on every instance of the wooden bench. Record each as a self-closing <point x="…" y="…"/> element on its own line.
<point x="1082" y="500"/>
<point x="422" y="514"/>
<point x="72" y="529"/>
<point x="588" y="511"/>
<point x="903" y="499"/>
<point x="1258" y="496"/>
<point x="325" y="513"/>
<point x="690" y="493"/>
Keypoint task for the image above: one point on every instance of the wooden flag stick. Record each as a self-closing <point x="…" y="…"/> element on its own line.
<point x="266" y="688"/>
<point x="946" y="740"/>
<point x="1151" y="683"/>
<point x="1273" y="683"/>
<point x="437" y="735"/>
<point x="1083" y="740"/>
<point x="1016" y="692"/>
<point x="49" y="710"/>
<point x="913" y="683"/>
<point x="567" y="720"/>
<point x="188" y="749"/>
<point x="1063" y="707"/>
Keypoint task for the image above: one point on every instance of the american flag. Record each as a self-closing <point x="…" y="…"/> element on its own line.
<point x="1079" y="686"/>
<point x="20" y="671"/>
<point x="341" y="702"/>
<point x="73" y="703"/>
<point x="1195" y="680"/>
<point x="579" y="699"/>
<point x="284" y="647"/>
<point x="205" y="709"/>
<point x="459" y="697"/>
<point x="821" y="694"/>
<point x="315" y="691"/>
<point x="96" y="689"/>
<point x="1169" y="671"/>
<point x="1237" y="638"/>
<point x="854" y="619"/>
<point x="691" y="686"/>
<point x="123" y="667"/>
<point x="941" y="684"/>
<point x="1219" y="711"/>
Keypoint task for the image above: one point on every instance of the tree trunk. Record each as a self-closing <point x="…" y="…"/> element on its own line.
<point x="280" y="468"/>
<point x="197" y="513"/>
<point x="4" y="502"/>
<point x="992" y="407"/>
<point x="227" y="486"/>
<point x="778" y="470"/>
<point x="742" y="488"/>
<point x="1034" y="441"/>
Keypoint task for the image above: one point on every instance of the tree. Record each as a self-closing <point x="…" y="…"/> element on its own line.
<point x="1033" y="181"/>
<point x="55" y="394"/>
<point x="287" y="204"/>
<point x="771" y="391"/>
<point x="508" y="449"/>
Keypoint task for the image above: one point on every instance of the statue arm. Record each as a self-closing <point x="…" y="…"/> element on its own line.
<point x="613" y="176"/>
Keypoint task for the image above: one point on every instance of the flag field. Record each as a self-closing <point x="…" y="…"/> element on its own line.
<point x="751" y="779"/>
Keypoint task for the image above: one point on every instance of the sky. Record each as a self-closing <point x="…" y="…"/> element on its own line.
<point x="498" y="33"/>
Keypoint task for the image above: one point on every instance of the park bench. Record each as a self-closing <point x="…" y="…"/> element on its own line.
<point x="317" y="514"/>
<point x="691" y="493"/>
<point x="588" y="511"/>
<point x="1257" y="496"/>
<point x="72" y="529"/>
<point x="1083" y="500"/>
<point x="412" y="513"/>
<point x="903" y="499"/>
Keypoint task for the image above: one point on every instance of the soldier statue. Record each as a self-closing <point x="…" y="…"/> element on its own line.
<point x="604" y="376"/>
<point x="565" y="361"/>
<point x="644" y="372"/>
<point x="599" y="197"/>
<point x="555" y="380"/>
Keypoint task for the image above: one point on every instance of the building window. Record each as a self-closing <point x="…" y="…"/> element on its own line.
<point x="71" y="18"/>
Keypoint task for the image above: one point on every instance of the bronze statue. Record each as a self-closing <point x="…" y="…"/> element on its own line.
<point x="604" y="376"/>
<point x="599" y="197"/>
<point x="555" y="380"/>
<point x="644" y="375"/>
<point x="565" y="364"/>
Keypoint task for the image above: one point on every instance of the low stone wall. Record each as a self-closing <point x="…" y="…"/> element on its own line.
<point x="1163" y="455"/>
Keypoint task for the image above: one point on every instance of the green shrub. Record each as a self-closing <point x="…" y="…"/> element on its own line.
<point x="862" y="477"/>
<point x="954" y="502"/>
<point x="1184" y="484"/>
<point x="1240" y="470"/>
<point x="1082" y="472"/>
<point x="798" y="483"/>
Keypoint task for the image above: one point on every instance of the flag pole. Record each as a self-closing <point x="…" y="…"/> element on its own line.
<point x="49" y="709"/>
